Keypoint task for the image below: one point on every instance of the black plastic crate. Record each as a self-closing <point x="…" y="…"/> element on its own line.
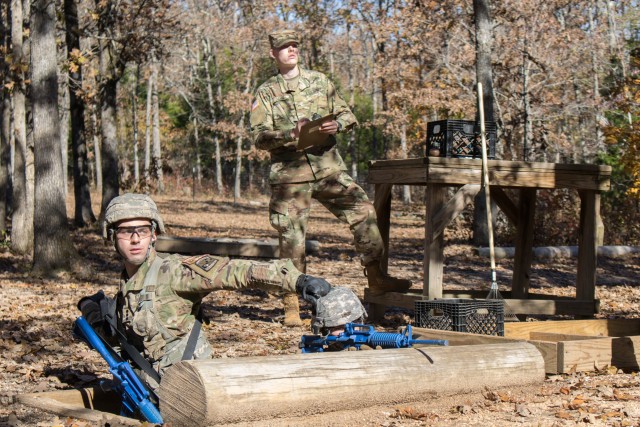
<point x="460" y="138"/>
<point x="475" y="316"/>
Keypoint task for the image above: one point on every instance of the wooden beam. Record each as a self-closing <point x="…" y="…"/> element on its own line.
<point x="524" y="243"/>
<point x="91" y="404"/>
<point x="226" y="247"/>
<point x="505" y="204"/>
<point x="463" y="197"/>
<point x="382" y="205"/>
<point x="591" y="327"/>
<point x="433" y="262"/>
<point x="454" y="171"/>
<point x="516" y="306"/>
<point x="587" y="258"/>
<point x="224" y="391"/>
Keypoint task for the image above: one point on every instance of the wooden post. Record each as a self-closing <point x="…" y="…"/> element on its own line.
<point x="587" y="249"/>
<point x="382" y="205"/>
<point x="433" y="244"/>
<point x="524" y="244"/>
<point x="221" y="391"/>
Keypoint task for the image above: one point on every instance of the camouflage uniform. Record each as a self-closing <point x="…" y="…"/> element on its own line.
<point x="157" y="315"/>
<point x="318" y="172"/>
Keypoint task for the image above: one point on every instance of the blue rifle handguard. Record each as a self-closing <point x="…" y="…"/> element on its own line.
<point x="135" y="396"/>
<point x="356" y="335"/>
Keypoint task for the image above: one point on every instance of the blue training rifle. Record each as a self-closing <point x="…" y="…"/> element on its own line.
<point x="134" y="394"/>
<point x="355" y="335"/>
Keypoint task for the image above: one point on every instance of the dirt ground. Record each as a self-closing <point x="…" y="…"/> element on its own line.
<point x="39" y="354"/>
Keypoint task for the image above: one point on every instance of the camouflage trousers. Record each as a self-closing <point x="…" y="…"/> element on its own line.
<point x="289" y="213"/>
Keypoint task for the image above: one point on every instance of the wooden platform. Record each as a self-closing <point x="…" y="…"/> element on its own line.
<point x="438" y="174"/>
<point x="567" y="345"/>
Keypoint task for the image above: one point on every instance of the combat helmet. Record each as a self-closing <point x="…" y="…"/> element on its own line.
<point x="339" y="307"/>
<point x="130" y="206"/>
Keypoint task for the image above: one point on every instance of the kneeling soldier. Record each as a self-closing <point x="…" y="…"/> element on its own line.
<point x="156" y="310"/>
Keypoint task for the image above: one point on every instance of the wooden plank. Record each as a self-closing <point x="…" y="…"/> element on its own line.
<point x="591" y="327"/>
<point x="517" y="306"/>
<point x="459" y="338"/>
<point x="404" y="174"/>
<point x="597" y="353"/>
<point x="382" y="206"/>
<point x="549" y="351"/>
<point x="89" y="404"/>
<point x="226" y="247"/>
<point x="524" y="243"/>
<point x="587" y="258"/>
<point x="502" y="173"/>
<point x="433" y="262"/>
<point x="505" y="204"/>
<point x="463" y="197"/>
<point x="556" y="337"/>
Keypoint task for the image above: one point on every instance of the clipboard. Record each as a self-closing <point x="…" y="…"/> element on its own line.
<point x="310" y="133"/>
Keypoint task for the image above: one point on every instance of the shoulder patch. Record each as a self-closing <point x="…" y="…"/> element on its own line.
<point x="206" y="266"/>
<point x="205" y="262"/>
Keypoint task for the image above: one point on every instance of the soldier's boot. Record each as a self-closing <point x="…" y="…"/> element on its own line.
<point x="291" y="310"/>
<point x="379" y="282"/>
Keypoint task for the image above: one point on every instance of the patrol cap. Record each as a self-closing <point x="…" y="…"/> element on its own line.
<point x="131" y="206"/>
<point x="339" y="307"/>
<point x="278" y="39"/>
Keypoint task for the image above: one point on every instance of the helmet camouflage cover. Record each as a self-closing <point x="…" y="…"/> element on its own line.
<point x="339" y="307"/>
<point x="131" y="206"/>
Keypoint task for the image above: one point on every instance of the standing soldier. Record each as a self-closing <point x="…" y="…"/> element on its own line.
<point x="156" y="311"/>
<point x="282" y="105"/>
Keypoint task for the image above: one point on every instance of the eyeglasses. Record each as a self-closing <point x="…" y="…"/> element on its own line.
<point x="126" y="233"/>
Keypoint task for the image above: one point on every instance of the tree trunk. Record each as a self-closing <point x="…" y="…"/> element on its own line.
<point x="134" y="125"/>
<point x="109" y="146"/>
<point x="97" y="150"/>
<point x="147" y="134"/>
<point x="212" y="109"/>
<point x="352" y="102"/>
<point x="83" y="214"/>
<point x="53" y="249"/>
<point x="157" y="151"/>
<point x="484" y="35"/>
<point x="22" y="217"/>
<point x="5" y="152"/>
<point x="5" y="123"/>
<point x="63" y="110"/>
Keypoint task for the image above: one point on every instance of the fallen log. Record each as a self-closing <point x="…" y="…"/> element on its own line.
<point x="219" y="391"/>
<point x="552" y="252"/>
<point x="251" y="248"/>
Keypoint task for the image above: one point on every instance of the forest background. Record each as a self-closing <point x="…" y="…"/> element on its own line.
<point x="154" y="95"/>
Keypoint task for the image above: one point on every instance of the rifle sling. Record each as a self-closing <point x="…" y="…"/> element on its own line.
<point x="193" y="338"/>
<point x="132" y="352"/>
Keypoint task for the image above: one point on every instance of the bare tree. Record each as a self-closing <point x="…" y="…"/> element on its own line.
<point x="22" y="218"/>
<point x="5" y="118"/>
<point x="81" y="189"/>
<point x="484" y="36"/>
<point x="157" y="150"/>
<point x="53" y="249"/>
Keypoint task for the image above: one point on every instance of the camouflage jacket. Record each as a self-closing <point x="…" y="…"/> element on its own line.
<point x="275" y="112"/>
<point x="182" y="283"/>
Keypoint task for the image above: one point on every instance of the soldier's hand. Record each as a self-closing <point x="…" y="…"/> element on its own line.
<point x="311" y="288"/>
<point x="90" y="308"/>
<point x="296" y="130"/>
<point x="330" y="128"/>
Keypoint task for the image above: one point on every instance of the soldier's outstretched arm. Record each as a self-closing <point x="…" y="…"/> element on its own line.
<point x="273" y="276"/>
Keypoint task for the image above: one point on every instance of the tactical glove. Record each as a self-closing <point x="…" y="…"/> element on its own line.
<point x="90" y="308"/>
<point x="312" y="288"/>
